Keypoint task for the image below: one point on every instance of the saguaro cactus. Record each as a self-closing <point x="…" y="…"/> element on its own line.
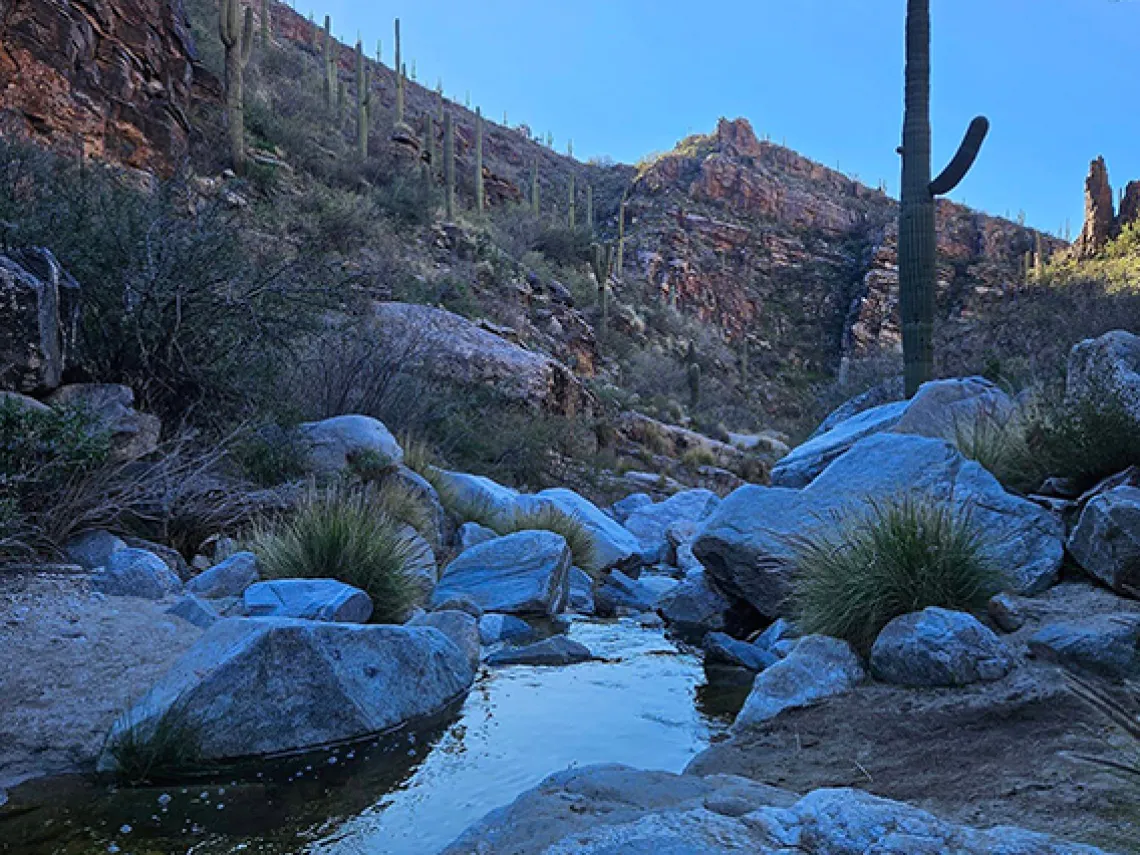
<point x="449" y="166"/>
<point x="621" y="239"/>
<point x="601" y="263"/>
<point x="237" y="39"/>
<point x="693" y="371"/>
<point x="573" y="203"/>
<point x="399" y="79"/>
<point x="590" y="207"/>
<point x="535" y="205"/>
<point x="330" y="65"/>
<point x="917" y="239"/>
<point x="479" y="191"/>
<point x="266" y="25"/>
<point x="363" y="102"/>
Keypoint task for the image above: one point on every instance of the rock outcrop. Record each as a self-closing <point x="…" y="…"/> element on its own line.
<point x="1100" y="212"/>
<point x="40" y="304"/>
<point x="108" y="79"/>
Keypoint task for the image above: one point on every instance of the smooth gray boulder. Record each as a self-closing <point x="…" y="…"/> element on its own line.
<point x="886" y="392"/>
<point x="581" y="593"/>
<point x="622" y="508"/>
<point x="805" y="462"/>
<point x="195" y="611"/>
<point x="331" y="682"/>
<point x="334" y="442"/>
<point x="93" y="549"/>
<point x="477" y="495"/>
<point x="938" y="647"/>
<point x="526" y="573"/>
<point x="616" y="810"/>
<point x="695" y="606"/>
<point x="818" y="668"/>
<point x="553" y="651"/>
<point x="726" y="650"/>
<point x="111" y="407"/>
<point x="746" y="545"/>
<point x="942" y="409"/>
<point x="614" y="546"/>
<point x="472" y="534"/>
<point x="135" y="573"/>
<point x="650" y="524"/>
<point x="495" y="628"/>
<point x="308" y="599"/>
<point x="1108" y="365"/>
<point x="41" y="318"/>
<point x="442" y="529"/>
<point x="460" y="627"/>
<point x="1108" y="644"/>
<point x="228" y="579"/>
<point x="1106" y="540"/>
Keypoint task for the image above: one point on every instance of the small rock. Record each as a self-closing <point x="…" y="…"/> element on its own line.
<point x="695" y="606"/>
<point x="460" y="627"/>
<point x="228" y="579"/>
<point x="309" y="599"/>
<point x="938" y="647"/>
<point x="729" y="651"/>
<point x="494" y="628"/>
<point x="195" y="611"/>
<point x="1007" y="612"/>
<point x="1106" y="540"/>
<point x="557" y="650"/>
<point x="93" y="549"/>
<point x="135" y="573"/>
<point x="460" y="603"/>
<point x="472" y="534"/>
<point x="819" y="668"/>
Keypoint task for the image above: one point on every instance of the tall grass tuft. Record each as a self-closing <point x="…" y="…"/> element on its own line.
<point x="1089" y="438"/>
<point x="404" y="504"/>
<point x="164" y="751"/>
<point x="898" y="557"/>
<point x="550" y="518"/>
<point x="1003" y="444"/>
<point x="344" y="534"/>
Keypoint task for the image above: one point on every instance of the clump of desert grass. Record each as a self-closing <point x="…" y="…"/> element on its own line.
<point x="857" y="573"/>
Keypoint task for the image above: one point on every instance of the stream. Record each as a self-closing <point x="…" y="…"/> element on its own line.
<point x="649" y="705"/>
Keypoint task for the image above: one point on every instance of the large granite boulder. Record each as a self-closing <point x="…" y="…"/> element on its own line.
<point x="93" y="549"/>
<point x="255" y="686"/>
<point x="230" y="578"/>
<point x="135" y="573"/>
<point x="553" y="651"/>
<point x="41" y="318"/>
<point x="439" y="347"/>
<point x="941" y="409"/>
<point x="1106" y="540"/>
<point x="725" y="650"/>
<point x="938" y="647"/>
<point x="308" y="599"/>
<point x="477" y="495"/>
<point x="622" y="508"/>
<point x="334" y="443"/>
<point x="606" y="810"/>
<point x="746" y="545"/>
<point x="887" y="392"/>
<point x="818" y="668"/>
<point x="526" y="573"/>
<point x="1108" y="365"/>
<point x="112" y="409"/>
<point x="614" y="546"/>
<point x="650" y="523"/>
<point x="1108" y="644"/>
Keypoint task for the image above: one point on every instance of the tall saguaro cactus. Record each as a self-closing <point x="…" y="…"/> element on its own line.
<point x="621" y="239"/>
<point x="449" y="166"/>
<point x="535" y="201"/>
<point x="266" y="25"/>
<point x="479" y="191"/>
<point x="399" y="79"/>
<point x="590" y="207"/>
<point x="573" y="203"/>
<point x="237" y="39"/>
<point x="601" y="263"/>
<point x="363" y="102"/>
<point x="917" y="238"/>
<point x="330" y="65"/>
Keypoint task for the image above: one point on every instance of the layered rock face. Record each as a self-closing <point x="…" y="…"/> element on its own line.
<point x="762" y="241"/>
<point x="109" y="79"/>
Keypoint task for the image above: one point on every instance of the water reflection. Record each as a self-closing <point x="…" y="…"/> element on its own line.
<point x="649" y="705"/>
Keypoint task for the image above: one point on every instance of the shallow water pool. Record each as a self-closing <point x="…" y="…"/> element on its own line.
<point x="649" y="705"/>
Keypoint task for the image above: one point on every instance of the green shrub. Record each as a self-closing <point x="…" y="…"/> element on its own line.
<point x="898" y="557"/>
<point x="272" y="455"/>
<point x="344" y="534"/>
<point x="549" y="518"/>
<point x="159" y="752"/>
<point x="1003" y="445"/>
<point x="1087" y="439"/>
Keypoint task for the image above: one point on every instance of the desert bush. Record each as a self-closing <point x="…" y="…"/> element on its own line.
<point x="854" y="576"/>
<point x="564" y="246"/>
<point x="156" y="752"/>
<point x="342" y="533"/>
<point x="272" y="455"/>
<point x="550" y="518"/>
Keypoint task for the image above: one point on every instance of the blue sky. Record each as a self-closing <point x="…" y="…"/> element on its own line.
<point x="1058" y="79"/>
